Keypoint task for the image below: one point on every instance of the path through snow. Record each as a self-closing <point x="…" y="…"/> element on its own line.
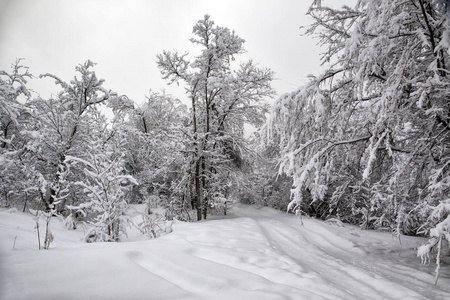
<point x="348" y="263"/>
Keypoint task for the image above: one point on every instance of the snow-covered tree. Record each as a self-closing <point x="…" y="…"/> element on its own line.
<point x="63" y="126"/>
<point x="13" y="114"/>
<point x="368" y="140"/>
<point x="223" y="100"/>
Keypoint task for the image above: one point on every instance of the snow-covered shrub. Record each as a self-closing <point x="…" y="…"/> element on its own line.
<point x="177" y="209"/>
<point x="151" y="202"/>
<point x="155" y="225"/>
<point x="70" y="222"/>
<point x="219" y="206"/>
<point x="439" y="234"/>
<point x="47" y="216"/>
<point x="104" y="185"/>
<point x="12" y="210"/>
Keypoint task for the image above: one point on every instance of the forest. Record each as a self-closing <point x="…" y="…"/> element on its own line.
<point x="365" y="142"/>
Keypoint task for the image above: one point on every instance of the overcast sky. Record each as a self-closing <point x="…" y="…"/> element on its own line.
<point x="123" y="38"/>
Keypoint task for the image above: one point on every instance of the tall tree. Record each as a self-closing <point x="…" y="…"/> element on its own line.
<point x="13" y="114"/>
<point x="368" y="140"/>
<point x="64" y="126"/>
<point x="222" y="100"/>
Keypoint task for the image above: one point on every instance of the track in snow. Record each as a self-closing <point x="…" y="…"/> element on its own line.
<point x="349" y="263"/>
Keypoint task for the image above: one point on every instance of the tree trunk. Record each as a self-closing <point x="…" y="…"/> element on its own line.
<point x="26" y="202"/>
<point x="204" y="182"/>
<point x="198" y="192"/>
<point x="5" y="192"/>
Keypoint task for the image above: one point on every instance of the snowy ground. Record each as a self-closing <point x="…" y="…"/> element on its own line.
<point x="252" y="254"/>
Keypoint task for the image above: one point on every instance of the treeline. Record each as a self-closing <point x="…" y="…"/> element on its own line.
<point x="62" y="157"/>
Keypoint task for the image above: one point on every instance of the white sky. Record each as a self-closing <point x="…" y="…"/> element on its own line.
<point x="123" y="38"/>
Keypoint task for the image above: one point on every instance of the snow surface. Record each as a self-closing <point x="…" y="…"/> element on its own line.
<point x="251" y="254"/>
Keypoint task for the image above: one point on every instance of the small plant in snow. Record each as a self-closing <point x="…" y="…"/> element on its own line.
<point x="70" y="222"/>
<point x="177" y="209"/>
<point x="219" y="205"/>
<point x="154" y="225"/>
<point x="48" y="238"/>
<point x="438" y="235"/>
<point x="46" y="215"/>
<point x="104" y="185"/>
